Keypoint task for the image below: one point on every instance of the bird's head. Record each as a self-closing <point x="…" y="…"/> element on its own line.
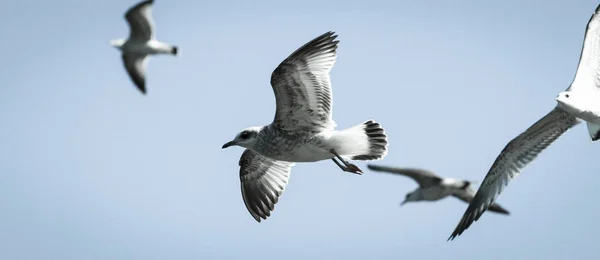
<point x="571" y="101"/>
<point x="117" y="43"/>
<point x="413" y="196"/>
<point x="246" y="138"/>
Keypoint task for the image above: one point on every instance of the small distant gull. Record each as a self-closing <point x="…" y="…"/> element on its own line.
<point x="581" y="101"/>
<point x="433" y="187"/>
<point x="141" y="43"/>
<point x="303" y="129"/>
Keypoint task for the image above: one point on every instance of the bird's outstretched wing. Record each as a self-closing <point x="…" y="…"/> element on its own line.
<point x="302" y="86"/>
<point x="424" y="178"/>
<point x="141" y="24"/>
<point x="135" y="64"/>
<point x="587" y="76"/>
<point x="517" y="154"/>
<point x="263" y="181"/>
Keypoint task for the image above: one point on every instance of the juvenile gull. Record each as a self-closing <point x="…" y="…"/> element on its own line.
<point x="303" y="130"/>
<point x="141" y="43"/>
<point x="580" y="101"/>
<point x="433" y="187"/>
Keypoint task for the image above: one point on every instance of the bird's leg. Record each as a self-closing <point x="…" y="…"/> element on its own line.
<point x="347" y="167"/>
<point x="339" y="164"/>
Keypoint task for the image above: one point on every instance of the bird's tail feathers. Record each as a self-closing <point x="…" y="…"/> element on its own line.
<point x="471" y="184"/>
<point x="364" y="142"/>
<point x="594" y="131"/>
<point x="466" y="184"/>
<point x="174" y="50"/>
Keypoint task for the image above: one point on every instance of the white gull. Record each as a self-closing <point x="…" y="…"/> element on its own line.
<point x="141" y="43"/>
<point x="433" y="187"/>
<point x="580" y="101"/>
<point x="303" y="129"/>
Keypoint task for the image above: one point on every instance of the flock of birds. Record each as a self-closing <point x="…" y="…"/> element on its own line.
<point x="303" y="129"/>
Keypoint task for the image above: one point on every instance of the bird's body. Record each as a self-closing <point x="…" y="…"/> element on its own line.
<point x="141" y="43"/>
<point x="447" y="187"/>
<point x="580" y="101"/>
<point x="433" y="187"/>
<point x="302" y="130"/>
<point x="307" y="146"/>
<point x="434" y="193"/>
<point x="443" y="188"/>
<point x="150" y="47"/>
<point x="296" y="146"/>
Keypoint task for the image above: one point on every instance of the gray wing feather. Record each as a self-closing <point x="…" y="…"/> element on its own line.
<point x="135" y="65"/>
<point x="141" y="24"/>
<point x="262" y="182"/>
<point x="517" y="154"/>
<point x="423" y="177"/>
<point x="302" y="86"/>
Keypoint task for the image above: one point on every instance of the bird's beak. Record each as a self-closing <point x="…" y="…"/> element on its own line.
<point x="228" y="144"/>
<point x="404" y="202"/>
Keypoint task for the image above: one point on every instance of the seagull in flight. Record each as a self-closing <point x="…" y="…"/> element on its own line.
<point x="433" y="187"/>
<point x="302" y="130"/>
<point x="141" y="43"/>
<point x="581" y="101"/>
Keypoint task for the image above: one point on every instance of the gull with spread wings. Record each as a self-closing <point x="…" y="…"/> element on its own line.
<point x="433" y="187"/>
<point x="303" y="129"/>
<point x="141" y="43"/>
<point x="581" y="101"/>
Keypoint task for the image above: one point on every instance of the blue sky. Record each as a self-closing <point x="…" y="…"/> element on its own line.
<point x="91" y="169"/>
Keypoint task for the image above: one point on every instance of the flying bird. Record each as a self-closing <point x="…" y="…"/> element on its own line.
<point x="433" y="187"/>
<point x="141" y="43"/>
<point x="580" y="101"/>
<point x="302" y="130"/>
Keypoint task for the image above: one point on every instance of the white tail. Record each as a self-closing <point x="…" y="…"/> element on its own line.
<point x="364" y="142"/>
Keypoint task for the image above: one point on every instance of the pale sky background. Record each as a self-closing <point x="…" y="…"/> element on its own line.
<point x="91" y="169"/>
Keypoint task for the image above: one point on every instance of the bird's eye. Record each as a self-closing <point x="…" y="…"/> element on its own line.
<point x="407" y="195"/>
<point x="245" y="135"/>
<point x="567" y="95"/>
